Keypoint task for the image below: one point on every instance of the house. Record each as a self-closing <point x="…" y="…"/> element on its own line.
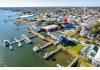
<point x="91" y="36"/>
<point x="84" y="31"/>
<point x="90" y="51"/>
<point x="54" y="35"/>
<point x="69" y="26"/>
<point x="66" y="20"/>
<point x="65" y="41"/>
<point x="59" y="19"/>
<point x="96" y="59"/>
<point x="59" y="37"/>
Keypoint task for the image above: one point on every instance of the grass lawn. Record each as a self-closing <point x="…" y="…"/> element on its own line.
<point x="75" y="50"/>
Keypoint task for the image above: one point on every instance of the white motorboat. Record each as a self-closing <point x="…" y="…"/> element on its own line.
<point x="10" y="47"/>
<point x="6" y="43"/>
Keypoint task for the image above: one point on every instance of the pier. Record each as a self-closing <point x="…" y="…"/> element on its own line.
<point x="48" y="55"/>
<point x="36" y="48"/>
<point x="19" y="43"/>
<point x="23" y="37"/>
<point x="46" y="45"/>
<point x="75" y="61"/>
<point x="26" y="39"/>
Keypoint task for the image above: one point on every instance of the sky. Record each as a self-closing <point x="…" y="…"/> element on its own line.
<point x="48" y="3"/>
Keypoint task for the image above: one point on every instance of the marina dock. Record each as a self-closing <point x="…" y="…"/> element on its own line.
<point x="73" y="62"/>
<point x="48" y="55"/>
<point x="19" y="43"/>
<point x="36" y="48"/>
<point x="23" y="37"/>
<point x="46" y="45"/>
<point x="26" y="39"/>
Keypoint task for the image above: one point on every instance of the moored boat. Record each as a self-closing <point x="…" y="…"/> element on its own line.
<point x="10" y="47"/>
<point x="6" y="43"/>
<point x="36" y="48"/>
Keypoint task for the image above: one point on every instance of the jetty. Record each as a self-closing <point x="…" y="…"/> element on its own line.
<point x="48" y="55"/>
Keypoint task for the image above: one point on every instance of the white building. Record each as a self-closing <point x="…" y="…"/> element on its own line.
<point x="96" y="59"/>
<point x="92" y="52"/>
<point x="28" y="17"/>
<point x="50" y="27"/>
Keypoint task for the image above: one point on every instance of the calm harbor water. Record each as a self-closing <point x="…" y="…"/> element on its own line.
<point x="23" y="56"/>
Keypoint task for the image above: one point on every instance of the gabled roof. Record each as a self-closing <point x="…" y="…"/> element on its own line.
<point x="97" y="56"/>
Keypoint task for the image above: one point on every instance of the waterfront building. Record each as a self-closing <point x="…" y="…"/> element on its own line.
<point x="90" y="51"/>
<point x="50" y="27"/>
<point x="96" y="59"/>
<point x="28" y="17"/>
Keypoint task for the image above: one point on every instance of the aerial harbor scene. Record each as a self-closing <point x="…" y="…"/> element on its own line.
<point x="50" y="37"/>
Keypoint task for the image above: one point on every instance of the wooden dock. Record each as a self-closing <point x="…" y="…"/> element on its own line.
<point x="48" y="55"/>
<point x="22" y="39"/>
<point x="26" y="39"/>
<point x="37" y="48"/>
<point x="46" y="45"/>
<point x="73" y="62"/>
